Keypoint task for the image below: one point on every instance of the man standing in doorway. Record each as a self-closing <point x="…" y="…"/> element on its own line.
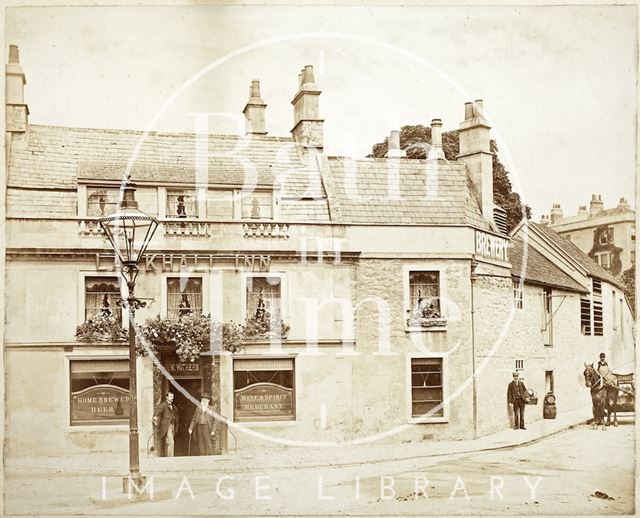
<point x="517" y="396"/>
<point x="166" y="418"/>
<point x="203" y="423"/>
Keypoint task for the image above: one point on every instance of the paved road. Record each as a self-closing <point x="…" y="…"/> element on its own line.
<point x="556" y="475"/>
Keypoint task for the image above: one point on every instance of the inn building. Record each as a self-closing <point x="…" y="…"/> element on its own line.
<point x="408" y="304"/>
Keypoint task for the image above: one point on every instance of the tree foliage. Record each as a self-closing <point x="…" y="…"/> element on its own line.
<point x="416" y="141"/>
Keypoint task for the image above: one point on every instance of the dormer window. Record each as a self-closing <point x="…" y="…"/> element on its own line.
<point x="257" y="205"/>
<point x="101" y="201"/>
<point x="182" y="203"/>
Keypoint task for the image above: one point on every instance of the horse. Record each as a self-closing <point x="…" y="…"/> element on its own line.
<point x="603" y="395"/>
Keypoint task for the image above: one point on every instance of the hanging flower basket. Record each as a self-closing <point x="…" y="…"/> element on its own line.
<point x="188" y="336"/>
<point x="263" y="327"/>
<point x="101" y="329"/>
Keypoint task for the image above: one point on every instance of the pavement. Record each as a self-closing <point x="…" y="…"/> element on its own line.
<point x="277" y="457"/>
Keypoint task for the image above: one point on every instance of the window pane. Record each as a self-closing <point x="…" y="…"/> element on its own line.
<point x="426" y="385"/>
<point x="102" y="201"/>
<point x="182" y="203"/>
<point x="424" y="296"/>
<point x="101" y="294"/>
<point x="420" y="409"/>
<point x="184" y="296"/>
<point x="219" y="204"/>
<point x="264" y="389"/>
<point x="257" y="205"/>
<point x="263" y="295"/>
<point x="99" y="392"/>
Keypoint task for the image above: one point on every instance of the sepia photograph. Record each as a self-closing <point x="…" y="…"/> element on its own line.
<point x="312" y="259"/>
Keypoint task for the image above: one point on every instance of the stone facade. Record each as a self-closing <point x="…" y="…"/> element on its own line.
<point x="343" y="237"/>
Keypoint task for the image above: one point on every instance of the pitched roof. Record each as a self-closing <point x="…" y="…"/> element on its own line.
<point x="593" y="269"/>
<point x="539" y="270"/>
<point x="623" y="212"/>
<point x="57" y="157"/>
<point x="365" y="191"/>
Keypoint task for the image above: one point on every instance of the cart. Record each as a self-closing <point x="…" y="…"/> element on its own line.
<point x="627" y="395"/>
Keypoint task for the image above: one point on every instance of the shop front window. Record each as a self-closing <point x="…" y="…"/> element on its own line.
<point x="184" y="297"/>
<point x="263" y="389"/>
<point x="99" y="392"/>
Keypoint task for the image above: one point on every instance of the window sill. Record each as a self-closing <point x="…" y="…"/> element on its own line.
<point x="428" y="420"/>
<point x="262" y="424"/>
<point x="97" y="428"/>
<point x="434" y="329"/>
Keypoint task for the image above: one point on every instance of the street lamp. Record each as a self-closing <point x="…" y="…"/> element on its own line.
<point x="129" y="231"/>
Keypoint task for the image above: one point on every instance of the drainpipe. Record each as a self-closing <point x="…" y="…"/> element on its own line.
<point x="474" y="265"/>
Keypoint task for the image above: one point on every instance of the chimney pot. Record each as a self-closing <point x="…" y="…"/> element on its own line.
<point x="14" y="54"/>
<point x="478" y="110"/>
<point x="393" y="146"/>
<point x="307" y="75"/>
<point x="436" y="153"/>
<point x="468" y="111"/>
<point x="255" y="88"/>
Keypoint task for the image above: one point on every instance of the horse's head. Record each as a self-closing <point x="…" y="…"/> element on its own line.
<point x="590" y="375"/>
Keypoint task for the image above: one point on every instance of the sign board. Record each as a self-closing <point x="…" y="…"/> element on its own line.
<point x="100" y="404"/>
<point x="263" y="401"/>
<point x="154" y="263"/>
<point x="178" y="369"/>
<point x="491" y="247"/>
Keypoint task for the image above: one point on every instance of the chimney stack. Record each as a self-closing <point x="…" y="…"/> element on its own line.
<point x="475" y="151"/>
<point x="436" y="152"/>
<point x="582" y="209"/>
<point x="393" y="146"/>
<point x="17" y="112"/>
<point x="307" y="124"/>
<point x="556" y="213"/>
<point x="254" y="111"/>
<point x="623" y="203"/>
<point x="544" y="220"/>
<point x="596" y="204"/>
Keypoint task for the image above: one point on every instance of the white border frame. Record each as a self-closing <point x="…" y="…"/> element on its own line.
<point x="445" y="389"/>
<point x="85" y="355"/>
<point x="424" y="266"/>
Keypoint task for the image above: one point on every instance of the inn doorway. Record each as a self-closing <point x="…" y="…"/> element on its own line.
<point x="186" y="409"/>
<point x="185" y="381"/>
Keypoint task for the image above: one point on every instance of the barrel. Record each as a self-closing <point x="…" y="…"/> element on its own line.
<point x="549" y="409"/>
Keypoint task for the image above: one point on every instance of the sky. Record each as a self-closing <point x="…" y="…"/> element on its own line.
<point x="558" y="83"/>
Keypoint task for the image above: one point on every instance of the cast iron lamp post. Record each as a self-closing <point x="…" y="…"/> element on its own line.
<point x="129" y="231"/>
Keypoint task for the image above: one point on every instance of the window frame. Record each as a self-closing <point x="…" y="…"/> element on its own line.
<point x="84" y="428"/>
<point x="407" y="269"/>
<point x="444" y="358"/>
<point x="518" y="294"/>
<point x="258" y="189"/>
<point x="171" y="190"/>
<point x="82" y="301"/>
<point x="284" y="308"/>
<point x="207" y="293"/>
